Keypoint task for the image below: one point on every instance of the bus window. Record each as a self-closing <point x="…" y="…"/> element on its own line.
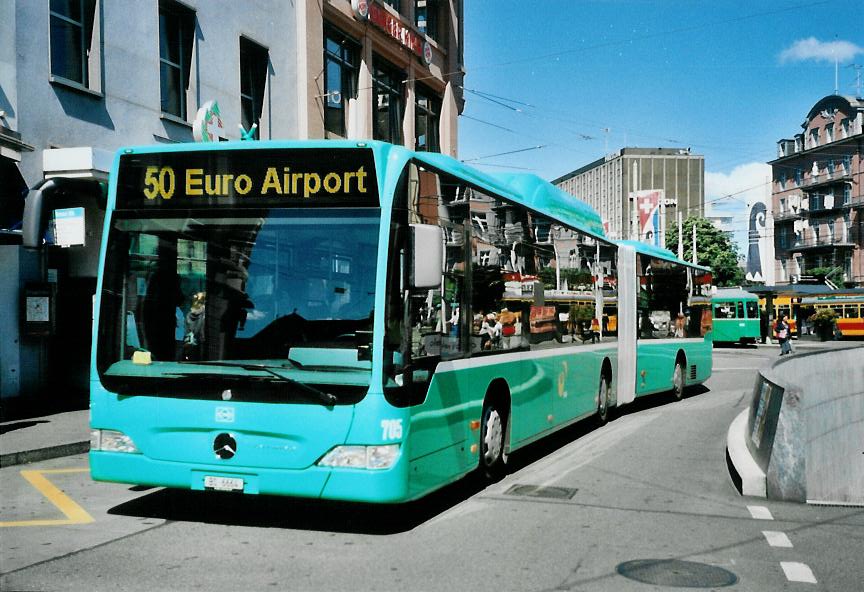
<point x="741" y="310"/>
<point x="850" y="311"/>
<point x="724" y="310"/>
<point x="752" y="310"/>
<point x="663" y="295"/>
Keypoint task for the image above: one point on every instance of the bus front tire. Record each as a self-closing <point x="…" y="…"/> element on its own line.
<point x="493" y="427"/>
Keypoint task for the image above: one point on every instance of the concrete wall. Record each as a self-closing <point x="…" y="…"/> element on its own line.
<point x="809" y="434"/>
<point x="8" y="90"/>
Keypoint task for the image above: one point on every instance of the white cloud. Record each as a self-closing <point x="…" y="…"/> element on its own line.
<point x="744" y="185"/>
<point x="820" y="51"/>
<point x="732" y="194"/>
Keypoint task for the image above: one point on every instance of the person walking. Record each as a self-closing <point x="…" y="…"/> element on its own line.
<point x="781" y="331"/>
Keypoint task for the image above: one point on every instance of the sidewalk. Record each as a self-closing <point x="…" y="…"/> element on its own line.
<point x="40" y="438"/>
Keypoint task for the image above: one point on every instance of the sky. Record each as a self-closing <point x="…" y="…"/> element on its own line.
<point x="552" y="85"/>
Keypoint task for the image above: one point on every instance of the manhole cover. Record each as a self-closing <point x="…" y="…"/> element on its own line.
<point x="538" y="491"/>
<point x="677" y="573"/>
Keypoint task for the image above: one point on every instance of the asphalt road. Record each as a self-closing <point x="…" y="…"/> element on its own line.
<point x="647" y="496"/>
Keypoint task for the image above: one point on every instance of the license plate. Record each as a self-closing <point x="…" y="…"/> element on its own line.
<point x="223" y="483"/>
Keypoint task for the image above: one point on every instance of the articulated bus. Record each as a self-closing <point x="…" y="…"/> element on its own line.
<point x="357" y="321"/>
<point x="736" y="316"/>
<point x="848" y="308"/>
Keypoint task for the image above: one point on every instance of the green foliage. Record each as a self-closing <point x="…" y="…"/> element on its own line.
<point x="581" y="312"/>
<point x="714" y="249"/>
<point x="573" y="277"/>
<point x="823" y="316"/>
<point x="547" y="276"/>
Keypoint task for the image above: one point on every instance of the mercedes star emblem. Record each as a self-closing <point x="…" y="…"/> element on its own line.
<point x="225" y="446"/>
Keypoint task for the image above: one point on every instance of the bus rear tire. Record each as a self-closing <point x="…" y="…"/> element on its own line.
<point x="493" y="427"/>
<point x="678" y="380"/>
<point x="603" y="401"/>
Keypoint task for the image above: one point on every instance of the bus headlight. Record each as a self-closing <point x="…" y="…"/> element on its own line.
<point x="361" y="457"/>
<point x="111" y="441"/>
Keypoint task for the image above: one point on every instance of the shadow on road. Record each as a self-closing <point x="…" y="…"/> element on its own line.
<point x="264" y="511"/>
<point x="267" y="511"/>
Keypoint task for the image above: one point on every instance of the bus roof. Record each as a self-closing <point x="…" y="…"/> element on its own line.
<point x="525" y="189"/>
<point x="733" y="294"/>
<point x="659" y="253"/>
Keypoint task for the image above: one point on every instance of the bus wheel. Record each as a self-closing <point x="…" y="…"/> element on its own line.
<point x="678" y="381"/>
<point x="603" y="401"/>
<point x="493" y="427"/>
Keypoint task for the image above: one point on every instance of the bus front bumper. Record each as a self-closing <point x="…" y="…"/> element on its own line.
<point x="358" y="485"/>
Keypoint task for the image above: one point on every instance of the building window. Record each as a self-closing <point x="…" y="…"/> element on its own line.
<point x="847" y="164"/>
<point x="799" y="176"/>
<point x="829" y="133"/>
<point x="387" y="82"/>
<point x="814" y="137"/>
<point x="782" y="180"/>
<point x="254" y="62"/>
<point x="176" y="31"/>
<point x="830" y="167"/>
<point x="74" y="45"/>
<point x="817" y="202"/>
<point x="340" y="80"/>
<point x="844" y="128"/>
<point x="427" y="117"/>
<point x="426" y="17"/>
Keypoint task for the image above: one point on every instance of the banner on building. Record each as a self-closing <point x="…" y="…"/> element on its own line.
<point x="649" y="204"/>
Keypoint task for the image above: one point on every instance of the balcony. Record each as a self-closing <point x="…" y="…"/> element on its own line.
<point x="827" y="242"/>
<point x="788" y="215"/>
<point x="855" y="203"/>
<point x="826" y="202"/>
<point x="838" y="176"/>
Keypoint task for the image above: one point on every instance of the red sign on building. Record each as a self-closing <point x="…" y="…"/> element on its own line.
<point x="381" y="18"/>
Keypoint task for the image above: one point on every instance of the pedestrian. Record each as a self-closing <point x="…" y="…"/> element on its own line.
<point x="781" y="331"/>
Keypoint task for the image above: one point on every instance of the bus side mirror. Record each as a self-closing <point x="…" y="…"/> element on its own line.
<point x="427" y="257"/>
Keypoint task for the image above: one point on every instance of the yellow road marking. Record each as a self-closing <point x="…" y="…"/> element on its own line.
<point x="74" y="513"/>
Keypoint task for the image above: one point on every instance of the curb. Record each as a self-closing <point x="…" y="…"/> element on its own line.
<point x="30" y="456"/>
<point x="747" y="472"/>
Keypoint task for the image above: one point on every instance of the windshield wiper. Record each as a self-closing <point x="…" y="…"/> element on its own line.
<point x="321" y="396"/>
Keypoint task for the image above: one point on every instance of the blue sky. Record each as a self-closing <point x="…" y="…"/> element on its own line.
<point x="725" y="78"/>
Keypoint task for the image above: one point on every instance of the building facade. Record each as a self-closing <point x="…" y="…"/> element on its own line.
<point x="817" y="197"/>
<point x="81" y="78"/>
<point x="611" y="185"/>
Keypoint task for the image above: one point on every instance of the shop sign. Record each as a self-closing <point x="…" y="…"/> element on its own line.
<point x="381" y="18"/>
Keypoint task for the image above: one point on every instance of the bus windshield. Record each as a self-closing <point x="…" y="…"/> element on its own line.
<point x="269" y="286"/>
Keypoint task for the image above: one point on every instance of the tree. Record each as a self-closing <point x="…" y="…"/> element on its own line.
<point x="714" y="249"/>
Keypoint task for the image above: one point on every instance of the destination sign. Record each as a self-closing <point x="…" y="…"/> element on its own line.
<point x="268" y="178"/>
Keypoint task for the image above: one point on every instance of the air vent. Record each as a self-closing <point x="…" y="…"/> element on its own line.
<point x="693" y="372"/>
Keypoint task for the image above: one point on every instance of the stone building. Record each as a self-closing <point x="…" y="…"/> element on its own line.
<point x="817" y="196"/>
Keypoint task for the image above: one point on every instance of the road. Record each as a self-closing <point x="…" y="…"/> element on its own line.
<point x="647" y="496"/>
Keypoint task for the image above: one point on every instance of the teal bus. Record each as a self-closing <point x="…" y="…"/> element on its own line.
<point x="358" y="321"/>
<point x="736" y="316"/>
